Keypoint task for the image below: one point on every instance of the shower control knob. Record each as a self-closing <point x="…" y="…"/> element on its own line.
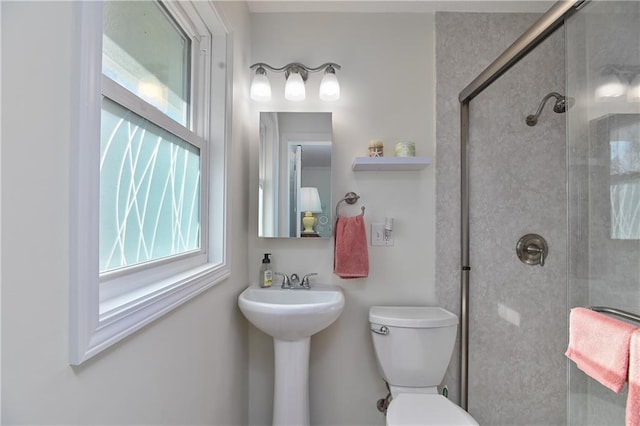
<point x="532" y="249"/>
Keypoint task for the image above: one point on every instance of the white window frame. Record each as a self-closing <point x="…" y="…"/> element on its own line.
<point x="103" y="313"/>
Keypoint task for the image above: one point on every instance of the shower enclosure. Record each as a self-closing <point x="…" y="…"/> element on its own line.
<point x="603" y="147"/>
<point x="568" y="170"/>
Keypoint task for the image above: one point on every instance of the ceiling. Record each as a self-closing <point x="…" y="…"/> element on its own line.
<point x="398" y="6"/>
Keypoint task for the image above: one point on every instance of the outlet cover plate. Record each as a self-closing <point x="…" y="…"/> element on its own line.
<point x="378" y="236"/>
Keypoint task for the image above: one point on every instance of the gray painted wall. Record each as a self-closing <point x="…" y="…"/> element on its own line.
<point x="517" y="312"/>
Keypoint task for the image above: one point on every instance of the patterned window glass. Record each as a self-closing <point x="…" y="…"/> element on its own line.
<point x="149" y="191"/>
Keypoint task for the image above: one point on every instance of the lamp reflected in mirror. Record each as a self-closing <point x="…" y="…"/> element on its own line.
<point x="309" y="204"/>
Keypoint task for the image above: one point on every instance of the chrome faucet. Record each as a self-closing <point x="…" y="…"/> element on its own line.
<point x="294" y="281"/>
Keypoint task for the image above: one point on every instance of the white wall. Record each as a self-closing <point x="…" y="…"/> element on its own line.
<point x="388" y="92"/>
<point x="186" y="368"/>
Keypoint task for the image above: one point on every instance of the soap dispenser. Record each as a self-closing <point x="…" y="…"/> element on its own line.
<point x="266" y="274"/>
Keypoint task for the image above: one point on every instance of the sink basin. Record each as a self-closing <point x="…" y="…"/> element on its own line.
<point x="287" y="314"/>
<point x="291" y="317"/>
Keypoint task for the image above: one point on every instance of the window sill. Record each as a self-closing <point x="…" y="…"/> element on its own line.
<point x="121" y="316"/>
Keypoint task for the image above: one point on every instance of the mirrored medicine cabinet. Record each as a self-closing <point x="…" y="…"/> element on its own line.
<point x="294" y="179"/>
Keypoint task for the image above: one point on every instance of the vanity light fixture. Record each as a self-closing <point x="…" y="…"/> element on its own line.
<point x="296" y="74"/>
<point x="616" y="81"/>
<point x="633" y="95"/>
<point x="610" y="86"/>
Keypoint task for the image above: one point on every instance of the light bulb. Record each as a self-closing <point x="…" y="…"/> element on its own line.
<point x="633" y="95"/>
<point x="294" y="88"/>
<point x="329" y="86"/>
<point x="260" y="86"/>
<point x="610" y="86"/>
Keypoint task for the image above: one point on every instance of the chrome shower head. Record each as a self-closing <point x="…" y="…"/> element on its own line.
<point x="561" y="105"/>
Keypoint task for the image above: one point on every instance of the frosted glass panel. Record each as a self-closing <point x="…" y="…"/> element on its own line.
<point x="149" y="191"/>
<point x="145" y="52"/>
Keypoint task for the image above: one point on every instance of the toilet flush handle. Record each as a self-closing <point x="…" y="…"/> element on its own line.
<point x="380" y="329"/>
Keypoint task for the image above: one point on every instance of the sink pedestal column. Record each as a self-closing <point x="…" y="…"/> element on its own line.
<point x="291" y="382"/>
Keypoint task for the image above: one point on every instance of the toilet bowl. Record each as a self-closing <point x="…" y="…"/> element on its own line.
<point x="413" y="346"/>
<point x="414" y="409"/>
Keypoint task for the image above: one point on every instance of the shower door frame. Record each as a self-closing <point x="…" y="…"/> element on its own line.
<point x="545" y="26"/>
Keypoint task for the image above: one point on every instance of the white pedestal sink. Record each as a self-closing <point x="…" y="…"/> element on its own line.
<point x="291" y="317"/>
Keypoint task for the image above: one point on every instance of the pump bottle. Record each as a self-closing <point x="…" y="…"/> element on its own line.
<point x="266" y="274"/>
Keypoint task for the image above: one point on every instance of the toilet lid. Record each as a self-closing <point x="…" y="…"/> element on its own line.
<point x="413" y="409"/>
<point x="412" y="316"/>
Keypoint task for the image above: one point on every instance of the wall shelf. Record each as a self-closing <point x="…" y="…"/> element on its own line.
<point x="389" y="163"/>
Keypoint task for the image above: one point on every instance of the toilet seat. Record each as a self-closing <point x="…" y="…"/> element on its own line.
<point x="412" y="409"/>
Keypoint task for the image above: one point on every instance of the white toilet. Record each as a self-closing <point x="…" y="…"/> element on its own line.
<point x="413" y="346"/>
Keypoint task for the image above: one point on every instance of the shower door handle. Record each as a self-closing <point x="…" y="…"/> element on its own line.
<point x="532" y="249"/>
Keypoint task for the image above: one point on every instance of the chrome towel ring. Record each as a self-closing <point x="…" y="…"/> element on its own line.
<point x="349" y="198"/>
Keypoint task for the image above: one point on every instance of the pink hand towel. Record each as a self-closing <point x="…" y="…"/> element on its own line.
<point x="599" y="345"/>
<point x="633" y="397"/>
<point x="351" y="258"/>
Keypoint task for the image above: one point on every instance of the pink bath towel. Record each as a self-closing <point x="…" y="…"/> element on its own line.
<point x="351" y="258"/>
<point x="599" y="345"/>
<point x="633" y="397"/>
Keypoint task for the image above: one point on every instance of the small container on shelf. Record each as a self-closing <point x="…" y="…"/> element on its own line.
<point x="405" y="149"/>
<point x="376" y="148"/>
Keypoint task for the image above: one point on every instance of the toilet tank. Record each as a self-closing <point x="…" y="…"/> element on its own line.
<point x="413" y="344"/>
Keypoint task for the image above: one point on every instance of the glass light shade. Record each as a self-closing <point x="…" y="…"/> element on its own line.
<point x="310" y="200"/>
<point x="294" y="88"/>
<point x="329" y="87"/>
<point x="633" y="95"/>
<point x="260" y="88"/>
<point x="610" y="86"/>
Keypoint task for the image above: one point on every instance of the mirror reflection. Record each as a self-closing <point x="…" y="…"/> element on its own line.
<point x="294" y="180"/>
<point x="622" y="133"/>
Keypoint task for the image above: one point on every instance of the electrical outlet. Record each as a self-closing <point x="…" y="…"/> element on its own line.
<point x="378" y="236"/>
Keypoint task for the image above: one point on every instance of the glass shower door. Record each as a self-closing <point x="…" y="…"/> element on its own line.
<point x="603" y="143"/>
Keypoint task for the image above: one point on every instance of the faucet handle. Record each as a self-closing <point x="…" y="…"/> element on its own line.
<point x="305" y="280"/>
<point x="286" y="282"/>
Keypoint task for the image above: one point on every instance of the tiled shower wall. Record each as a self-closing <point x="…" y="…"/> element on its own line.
<point x="518" y="326"/>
